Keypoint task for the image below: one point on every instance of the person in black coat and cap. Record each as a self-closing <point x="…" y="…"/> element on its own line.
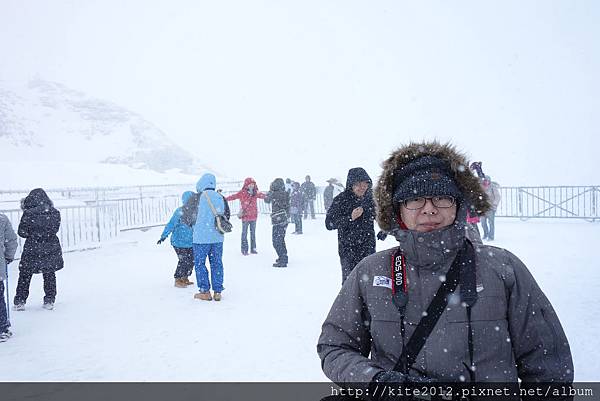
<point x="280" y="209"/>
<point x="352" y="213"/>
<point x="42" y="252"/>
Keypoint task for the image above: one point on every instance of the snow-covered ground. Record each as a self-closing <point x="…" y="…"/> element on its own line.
<point x="119" y="318"/>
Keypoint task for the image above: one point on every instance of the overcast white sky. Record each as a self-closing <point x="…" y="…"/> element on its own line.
<point x="285" y="88"/>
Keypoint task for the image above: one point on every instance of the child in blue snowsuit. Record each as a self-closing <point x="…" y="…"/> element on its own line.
<point x="181" y="240"/>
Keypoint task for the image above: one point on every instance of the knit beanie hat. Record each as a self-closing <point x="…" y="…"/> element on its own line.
<point x="425" y="176"/>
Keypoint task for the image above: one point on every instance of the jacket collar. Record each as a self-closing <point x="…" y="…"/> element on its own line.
<point x="432" y="250"/>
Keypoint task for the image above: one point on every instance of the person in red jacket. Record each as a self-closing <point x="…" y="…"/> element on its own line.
<point x="248" y="196"/>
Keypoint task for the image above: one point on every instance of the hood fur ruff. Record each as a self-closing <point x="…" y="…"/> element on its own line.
<point x="474" y="195"/>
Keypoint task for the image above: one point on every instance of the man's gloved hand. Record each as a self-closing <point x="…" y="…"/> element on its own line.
<point x="387" y="385"/>
<point x="381" y="235"/>
<point x="8" y="261"/>
<point x="160" y="241"/>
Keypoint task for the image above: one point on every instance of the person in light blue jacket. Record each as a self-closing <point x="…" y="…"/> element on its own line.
<point x="207" y="241"/>
<point x="181" y="240"/>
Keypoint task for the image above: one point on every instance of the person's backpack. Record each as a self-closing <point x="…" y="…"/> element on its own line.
<point x="190" y="210"/>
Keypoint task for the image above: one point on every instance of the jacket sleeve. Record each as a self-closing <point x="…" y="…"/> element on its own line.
<point x="260" y="195"/>
<point x="345" y="341"/>
<point x="234" y="196"/>
<point x="24" y="229"/>
<point x="539" y="343"/>
<point x="55" y="225"/>
<point x="336" y="217"/>
<point x="171" y="224"/>
<point x="369" y="209"/>
<point x="287" y="202"/>
<point x="10" y="241"/>
<point x="497" y="195"/>
<point x="268" y="197"/>
<point x="227" y="211"/>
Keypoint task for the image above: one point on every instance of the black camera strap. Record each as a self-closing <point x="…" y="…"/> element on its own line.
<point x="411" y="350"/>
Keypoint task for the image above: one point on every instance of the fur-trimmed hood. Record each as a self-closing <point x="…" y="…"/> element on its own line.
<point x="475" y="198"/>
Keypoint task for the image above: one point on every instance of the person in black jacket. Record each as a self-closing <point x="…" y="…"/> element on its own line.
<point x="42" y="252"/>
<point x="352" y="213"/>
<point x="329" y="192"/>
<point x="310" y="194"/>
<point x="280" y="210"/>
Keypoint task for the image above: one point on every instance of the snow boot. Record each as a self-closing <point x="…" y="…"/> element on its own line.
<point x="19" y="307"/>
<point x="187" y="281"/>
<point x="279" y="264"/>
<point x="180" y="283"/>
<point x="217" y="296"/>
<point x="5" y="335"/>
<point x="253" y="251"/>
<point x="204" y="296"/>
<point x="48" y="305"/>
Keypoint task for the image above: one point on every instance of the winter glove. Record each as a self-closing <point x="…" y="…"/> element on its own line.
<point x="8" y="261"/>
<point x="388" y="385"/>
<point x="160" y="241"/>
<point x="381" y="235"/>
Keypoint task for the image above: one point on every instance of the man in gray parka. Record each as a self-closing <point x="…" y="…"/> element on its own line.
<point x="8" y="247"/>
<point x="497" y="325"/>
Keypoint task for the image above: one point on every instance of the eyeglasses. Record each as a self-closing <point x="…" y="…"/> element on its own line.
<point x="438" y="201"/>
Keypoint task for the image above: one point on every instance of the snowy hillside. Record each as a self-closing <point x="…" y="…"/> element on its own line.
<point x="43" y="122"/>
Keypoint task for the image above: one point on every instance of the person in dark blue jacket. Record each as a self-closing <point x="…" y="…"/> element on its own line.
<point x="181" y="240"/>
<point x="352" y="213"/>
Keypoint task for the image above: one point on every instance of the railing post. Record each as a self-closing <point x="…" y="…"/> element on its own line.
<point x="520" y="201"/>
<point x="98" y="213"/>
<point x="595" y="192"/>
<point x="143" y="220"/>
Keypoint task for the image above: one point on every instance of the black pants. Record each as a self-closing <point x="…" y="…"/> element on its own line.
<point x="297" y="220"/>
<point x="4" y="323"/>
<point x="185" y="266"/>
<point x="310" y="204"/>
<point x="25" y="281"/>
<point x="279" y="242"/>
<point x="245" y="225"/>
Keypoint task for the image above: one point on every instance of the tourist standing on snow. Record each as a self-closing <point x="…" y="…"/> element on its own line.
<point x="42" y="252"/>
<point x="492" y="190"/>
<point x="181" y="241"/>
<point x="207" y="241"/>
<point x="248" y="196"/>
<point x="280" y="209"/>
<point x="497" y="324"/>
<point x="297" y="202"/>
<point x="329" y="192"/>
<point x="8" y="247"/>
<point x="352" y="214"/>
<point x="310" y="194"/>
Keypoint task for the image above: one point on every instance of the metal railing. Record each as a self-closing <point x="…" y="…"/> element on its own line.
<point x="81" y="227"/>
<point x="104" y="212"/>
<point x="564" y="202"/>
